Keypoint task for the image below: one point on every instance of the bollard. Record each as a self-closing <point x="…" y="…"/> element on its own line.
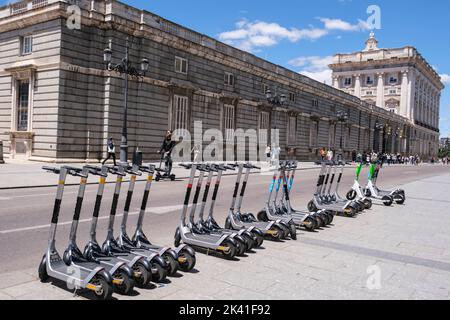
<point x="137" y="157"/>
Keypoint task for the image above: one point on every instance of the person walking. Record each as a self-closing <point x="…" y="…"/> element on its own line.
<point x="268" y="154"/>
<point x="111" y="151"/>
<point x="330" y="155"/>
<point x="323" y="154"/>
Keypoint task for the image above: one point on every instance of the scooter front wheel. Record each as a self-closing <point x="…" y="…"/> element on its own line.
<point x="351" y="195"/>
<point x="399" y="199"/>
<point x="311" y="206"/>
<point x="368" y="204"/>
<point x="172" y="263"/>
<point x="127" y="285"/>
<point x="104" y="289"/>
<point x="310" y="224"/>
<point x="42" y="271"/>
<point x="159" y="273"/>
<point x="186" y="261"/>
<point x="293" y="231"/>
<point x="387" y="201"/>
<point x="262" y="216"/>
<point x="259" y="240"/>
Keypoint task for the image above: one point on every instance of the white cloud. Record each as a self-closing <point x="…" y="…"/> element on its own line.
<point x="314" y="67"/>
<point x="341" y="25"/>
<point x="445" y="78"/>
<point x="250" y="36"/>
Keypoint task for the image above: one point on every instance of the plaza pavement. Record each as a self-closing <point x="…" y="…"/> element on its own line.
<point x="400" y="252"/>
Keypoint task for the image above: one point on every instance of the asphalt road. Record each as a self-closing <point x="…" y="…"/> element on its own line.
<point x="25" y="214"/>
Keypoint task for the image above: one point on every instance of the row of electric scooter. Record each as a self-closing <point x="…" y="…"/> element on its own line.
<point x="121" y="263"/>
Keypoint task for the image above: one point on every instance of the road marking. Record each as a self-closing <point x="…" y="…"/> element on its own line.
<point x="157" y="210"/>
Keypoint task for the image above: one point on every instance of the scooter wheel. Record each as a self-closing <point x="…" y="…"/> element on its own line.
<point x="188" y="261"/>
<point x="279" y="233"/>
<point x="145" y="276"/>
<point x="262" y="216"/>
<point x="293" y="231"/>
<point x="351" y="212"/>
<point x="240" y="248"/>
<point x="399" y="199"/>
<point x="351" y="195"/>
<point x="172" y="177"/>
<point x="249" y="242"/>
<point x="310" y="224"/>
<point x="387" y="201"/>
<point x="177" y="238"/>
<point x="158" y="177"/>
<point x="159" y="273"/>
<point x="105" y="290"/>
<point x="319" y="221"/>
<point x="330" y="217"/>
<point x="42" y="271"/>
<point x="259" y="240"/>
<point x="286" y="231"/>
<point x="368" y="204"/>
<point x="325" y="218"/>
<point x="172" y="263"/>
<point x="311" y="206"/>
<point x="232" y="250"/>
<point x="127" y="285"/>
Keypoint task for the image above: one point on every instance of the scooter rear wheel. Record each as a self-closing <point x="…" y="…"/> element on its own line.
<point x="42" y="271"/>
<point x="145" y="276"/>
<point x="232" y="250"/>
<point x="310" y="224"/>
<point x="172" y="263"/>
<point x="106" y="289"/>
<point x="259" y="239"/>
<point x="368" y="204"/>
<point x="188" y="261"/>
<point x="399" y="199"/>
<point x="249" y="242"/>
<point x="311" y="206"/>
<point x="127" y="285"/>
<point x="293" y="231"/>
<point x="387" y="201"/>
<point x="159" y="273"/>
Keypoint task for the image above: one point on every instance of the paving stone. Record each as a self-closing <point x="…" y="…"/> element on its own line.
<point x="15" y="278"/>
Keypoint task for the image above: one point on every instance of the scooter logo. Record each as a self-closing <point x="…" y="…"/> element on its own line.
<point x="74" y="274"/>
<point x="374" y="279"/>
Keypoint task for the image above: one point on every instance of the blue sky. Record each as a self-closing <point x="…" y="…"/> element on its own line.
<point x="302" y="35"/>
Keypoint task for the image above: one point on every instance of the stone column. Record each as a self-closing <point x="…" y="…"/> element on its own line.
<point x="380" y="90"/>
<point x="411" y="95"/>
<point x="404" y="95"/>
<point x="357" y="85"/>
<point x="335" y="82"/>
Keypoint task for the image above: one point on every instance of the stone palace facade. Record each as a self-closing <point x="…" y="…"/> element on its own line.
<point x="59" y="103"/>
<point x="398" y="80"/>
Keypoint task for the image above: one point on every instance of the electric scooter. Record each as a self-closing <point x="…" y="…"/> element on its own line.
<point x="183" y="254"/>
<point x="200" y="226"/>
<point x="86" y="275"/>
<point x="356" y="192"/>
<point x="200" y="242"/>
<point x="371" y="192"/>
<point x="161" y="265"/>
<point x="163" y="174"/>
<point x="142" y="266"/>
<point x="237" y="221"/>
<point x="398" y="195"/>
<point x="253" y="236"/>
<point x="122" y="273"/>
<point x="321" y="201"/>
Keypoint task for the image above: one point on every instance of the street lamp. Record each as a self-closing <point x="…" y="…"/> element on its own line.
<point x="378" y="128"/>
<point x="342" y="117"/>
<point x="125" y="68"/>
<point x="279" y="100"/>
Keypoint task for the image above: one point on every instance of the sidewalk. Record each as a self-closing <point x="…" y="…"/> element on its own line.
<point x="29" y="174"/>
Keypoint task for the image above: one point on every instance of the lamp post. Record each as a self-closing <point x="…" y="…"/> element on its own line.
<point x="276" y="100"/>
<point x="378" y="128"/>
<point x="126" y="69"/>
<point x="342" y="117"/>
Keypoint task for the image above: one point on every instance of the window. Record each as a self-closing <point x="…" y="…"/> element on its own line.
<point x="181" y="65"/>
<point x="180" y="113"/>
<point x="26" y="44"/>
<point x="393" y="79"/>
<point x="228" y="122"/>
<point x="265" y="88"/>
<point x="313" y="133"/>
<point x="291" y="96"/>
<point x="369" y="80"/>
<point x="23" y="89"/>
<point x="315" y="103"/>
<point x="369" y="93"/>
<point x="347" y="82"/>
<point x="264" y="120"/>
<point x="229" y="79"/>
<point x="292" y="130"/>
<point x="393" y="91"/>
<point x="332" y="136"/>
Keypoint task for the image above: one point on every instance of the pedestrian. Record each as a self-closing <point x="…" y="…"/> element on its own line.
<point x="323" y="154"/>
<point x="330" y="155"/>
<point x="111" y="148"/>
<point x="196" y="151"/>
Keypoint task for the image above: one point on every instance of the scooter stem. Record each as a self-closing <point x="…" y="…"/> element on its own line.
<point x="57" y="209"/>
<point x="79" y="203"/>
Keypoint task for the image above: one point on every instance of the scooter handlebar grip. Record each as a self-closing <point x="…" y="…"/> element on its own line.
<point x="184" y="165"/>
<point x="51" y="169"/>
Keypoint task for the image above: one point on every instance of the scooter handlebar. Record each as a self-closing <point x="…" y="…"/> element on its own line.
<point x="149" y="168"/>
<point x="115" y="171"/>
<point x="184" y="165"/>
<point x="51" y="169"/>
<point x="131" y="170"/>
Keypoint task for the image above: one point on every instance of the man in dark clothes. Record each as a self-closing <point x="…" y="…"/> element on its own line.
<point x="167" y="148"/>
<point x="111" y="151"/>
